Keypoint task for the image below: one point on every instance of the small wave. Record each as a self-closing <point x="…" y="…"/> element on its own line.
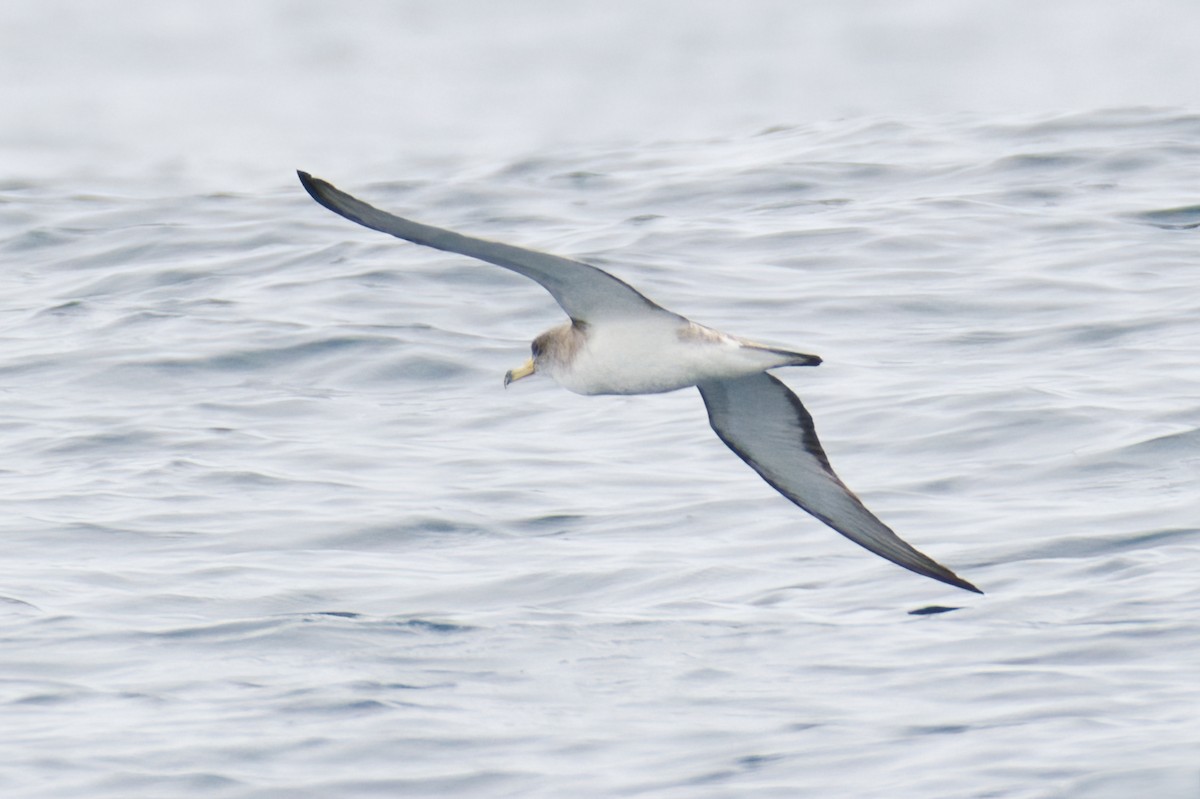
<point x="1183" y="218"/>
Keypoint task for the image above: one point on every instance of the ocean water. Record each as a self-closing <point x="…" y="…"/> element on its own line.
<point x="274" y="528"/>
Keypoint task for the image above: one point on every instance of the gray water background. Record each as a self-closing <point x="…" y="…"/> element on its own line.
<point x="273" y="528"/>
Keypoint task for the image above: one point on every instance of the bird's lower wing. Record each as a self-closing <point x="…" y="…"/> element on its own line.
<point x="765" y="424"/>
<point x="582" y="290"/>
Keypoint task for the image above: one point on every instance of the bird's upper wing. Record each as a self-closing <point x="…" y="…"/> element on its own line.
<point x="582" y="290"/>
<point x="765" y="424"/>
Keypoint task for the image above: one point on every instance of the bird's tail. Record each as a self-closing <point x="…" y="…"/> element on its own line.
<point x="793" y="358"/>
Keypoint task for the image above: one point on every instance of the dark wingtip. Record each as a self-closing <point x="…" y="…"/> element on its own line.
<point x="308" y="182"/>
<point x="959" y="582"/>
<point x="321" y="191"/>
<point x="938" y="572"/>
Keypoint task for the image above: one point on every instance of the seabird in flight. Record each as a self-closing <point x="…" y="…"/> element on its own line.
<point x="619" y="342"/>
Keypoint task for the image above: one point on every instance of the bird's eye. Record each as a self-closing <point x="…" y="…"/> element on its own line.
<point x="536" y="349"/>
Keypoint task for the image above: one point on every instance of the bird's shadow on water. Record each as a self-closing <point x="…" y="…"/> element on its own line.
<point x="931" y="610"/>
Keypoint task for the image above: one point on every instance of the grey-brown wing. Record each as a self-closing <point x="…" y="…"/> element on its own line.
<point x="761" y="420"/>
<point x="582" y="290"/>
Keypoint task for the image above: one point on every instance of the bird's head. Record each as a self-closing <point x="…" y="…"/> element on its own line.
<point x="551" y="352"/>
